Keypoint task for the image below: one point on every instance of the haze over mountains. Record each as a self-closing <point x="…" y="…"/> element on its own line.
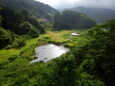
<point x="100" y="10"/>
<point x="99" y="14"/>
<point x="65" y="20"/>
<point x="45" y="11"/>
<point x="62" y="4"/>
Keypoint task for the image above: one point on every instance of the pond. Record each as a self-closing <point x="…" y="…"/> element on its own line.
<point x="74" y="34"/>
<point x="47" y="52"/>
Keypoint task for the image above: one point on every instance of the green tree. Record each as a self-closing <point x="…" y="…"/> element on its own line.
<point x="11" y="19"/>
<point x="34" y="21"/>
<point x="27" y="28"/>
<point x="5" y="38"/>
<point x="34" y="32"/>
<point x="101" y="49"/>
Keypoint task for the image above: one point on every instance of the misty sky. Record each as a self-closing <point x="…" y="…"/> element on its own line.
<point x="59" y="4"/>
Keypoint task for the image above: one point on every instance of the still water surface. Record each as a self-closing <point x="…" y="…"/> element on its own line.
<point x="47" y="52"/>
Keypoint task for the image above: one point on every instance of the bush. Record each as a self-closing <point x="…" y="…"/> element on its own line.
<point x="34" y="32"/>
<point x="18" y="43"/>
<point x="5" y="38"/>
<point x="34" y="21"/>
<point x="102" y="49"/>
<point x="27" y="28"/>
<point x="86" y="79"/>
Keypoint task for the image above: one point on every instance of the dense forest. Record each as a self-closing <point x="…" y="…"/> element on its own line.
<point x="90" y="61"/>
<point x="72" y="20"/>
<point x="14" y="23"/>
<point x="38" y="9"/>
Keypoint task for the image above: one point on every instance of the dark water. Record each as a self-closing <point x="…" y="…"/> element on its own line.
<point x="47" y="52"/>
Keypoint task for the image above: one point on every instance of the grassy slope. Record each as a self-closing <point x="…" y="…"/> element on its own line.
<point x="6" y="54"/>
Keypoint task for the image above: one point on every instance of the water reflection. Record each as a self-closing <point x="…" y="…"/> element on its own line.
<point x="74" y="34"/>
<point x="48" y="52"/>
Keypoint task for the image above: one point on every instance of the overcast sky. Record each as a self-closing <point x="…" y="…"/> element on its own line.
<point x="59" y="4"/>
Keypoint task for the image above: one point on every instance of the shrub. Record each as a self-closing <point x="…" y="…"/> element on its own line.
<point x="34" y="32"/>
<point x="5" y="38"/>
<point x="27" y="28"/>
<point x="18" y="43"/>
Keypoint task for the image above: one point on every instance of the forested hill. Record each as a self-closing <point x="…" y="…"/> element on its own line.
<point x="15" y="23"/>
<point x="72" y="20"/>
<point x="65" y="20"/>
<point x="39" y="9"/>
<point x="99" y="14"/>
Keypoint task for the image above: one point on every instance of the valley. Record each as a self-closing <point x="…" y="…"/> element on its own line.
<point x="40" y="46"/>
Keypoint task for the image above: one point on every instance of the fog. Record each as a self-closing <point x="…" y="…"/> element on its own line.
<point x="62" y="4"/>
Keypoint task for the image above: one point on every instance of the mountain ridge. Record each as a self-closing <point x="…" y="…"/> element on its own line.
<point x="101" y="15"/>
<point x="39" y="9"/>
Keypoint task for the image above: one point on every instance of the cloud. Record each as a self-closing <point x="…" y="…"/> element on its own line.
<point x="86" y="3"/>
<point x="98" y="3"/>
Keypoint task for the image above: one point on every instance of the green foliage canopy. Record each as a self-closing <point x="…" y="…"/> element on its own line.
<point x="5" y="38"/>
<point x="27" y="28"/>
<point x="72" y="20"/>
